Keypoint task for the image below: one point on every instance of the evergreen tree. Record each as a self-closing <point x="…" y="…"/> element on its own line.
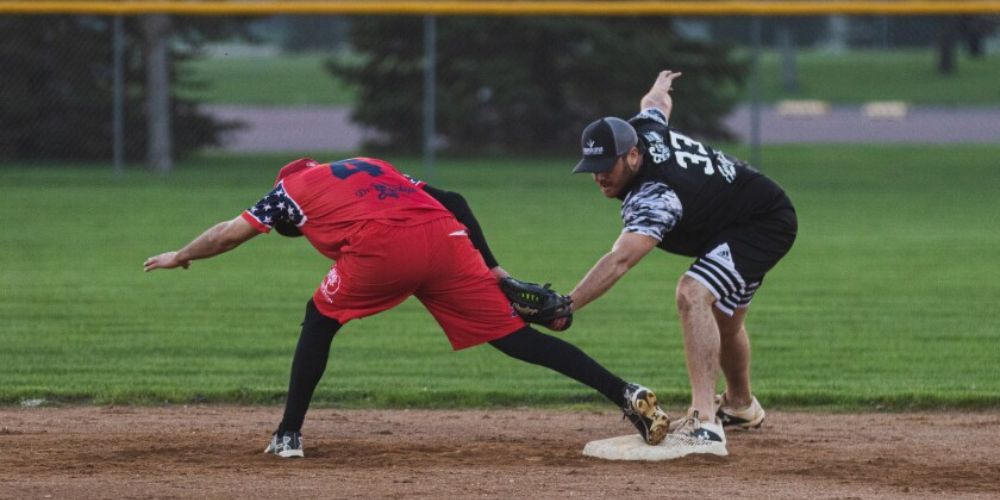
<point x="56" y="87"/>
<point x="533" y="83"/>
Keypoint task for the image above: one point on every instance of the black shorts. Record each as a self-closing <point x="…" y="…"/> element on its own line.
<point x="736" y="259"/>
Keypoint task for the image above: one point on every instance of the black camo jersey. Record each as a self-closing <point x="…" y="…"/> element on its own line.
<point x="686" y="191"/>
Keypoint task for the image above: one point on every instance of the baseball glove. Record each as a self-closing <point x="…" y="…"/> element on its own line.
<point x="539" y="303"/>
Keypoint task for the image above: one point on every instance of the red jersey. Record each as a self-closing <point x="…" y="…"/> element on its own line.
<point x="330" y="202"/>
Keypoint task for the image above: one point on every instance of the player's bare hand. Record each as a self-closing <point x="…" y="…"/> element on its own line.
<point x="166" y="260"/>
<point x="665" y="80"/>
<point x="560" y="324"/>
<point x="499" y="273"/>
<point x="663" y="85"/>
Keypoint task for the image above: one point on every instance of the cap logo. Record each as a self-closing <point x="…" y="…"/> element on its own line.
<point x="591" y="150"/>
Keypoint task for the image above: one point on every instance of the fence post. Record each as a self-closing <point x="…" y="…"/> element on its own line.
<point x="755" y="29"/>
<point x="118" y="97"/>
<point x="159" y="155"/>
<point x="430" y="91"/>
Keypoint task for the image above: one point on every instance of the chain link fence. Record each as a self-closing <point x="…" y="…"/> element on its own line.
<point x="146" y="89"/>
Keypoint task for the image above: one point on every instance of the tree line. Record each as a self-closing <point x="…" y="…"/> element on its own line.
<point x="515" y="84"/>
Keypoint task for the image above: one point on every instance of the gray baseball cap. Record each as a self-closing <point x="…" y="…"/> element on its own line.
<point x="603" y="141"/>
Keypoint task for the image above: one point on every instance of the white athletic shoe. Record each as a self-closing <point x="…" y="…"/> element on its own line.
<point x="747" y="418"/>
<point x="692" y="435"/>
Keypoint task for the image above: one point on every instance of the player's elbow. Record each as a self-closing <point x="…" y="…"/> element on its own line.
<point x="454" y="202"/>
<point x="627" y="257"/>
<point x="227" y="236"/>
<point x="621" y="262"/>
<point x="226" y="244"/>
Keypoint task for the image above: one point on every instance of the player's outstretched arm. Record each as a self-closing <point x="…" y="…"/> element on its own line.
<point x="659" y="95"/>
<point x="627" y="251"/>
<point x="219" y="238"/>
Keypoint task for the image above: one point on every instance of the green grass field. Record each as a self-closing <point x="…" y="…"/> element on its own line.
<point x="850" y="78"/>
<point x="889" y="298"/>
<point x="906" y="75"/>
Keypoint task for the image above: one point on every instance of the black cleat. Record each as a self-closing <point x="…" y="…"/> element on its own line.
<point x="645" y="413"/>
<point x="288" y="445"/>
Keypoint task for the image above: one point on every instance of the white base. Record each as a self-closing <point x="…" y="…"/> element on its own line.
<point x="632" y="447"/>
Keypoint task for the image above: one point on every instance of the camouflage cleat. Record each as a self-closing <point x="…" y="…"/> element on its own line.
<point x="747" y="418"/>
<point x="645" y="413"/>
<point x="288" y="445"/>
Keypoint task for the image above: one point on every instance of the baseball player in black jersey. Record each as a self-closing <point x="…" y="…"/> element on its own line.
<point x="687" y="198"/>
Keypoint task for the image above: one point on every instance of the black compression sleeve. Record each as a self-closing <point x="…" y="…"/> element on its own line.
<point x="308" y="365"/>
<point x="532" y="346"/>
<point x="457" y="205"/>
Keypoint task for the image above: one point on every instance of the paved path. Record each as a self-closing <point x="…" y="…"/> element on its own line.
<point x="289" y="129"/>
<point x="930" y="125"/>
<point x="330" y="128"/>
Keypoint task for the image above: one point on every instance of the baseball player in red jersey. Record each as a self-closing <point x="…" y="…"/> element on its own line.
<point x="392" y="237"/>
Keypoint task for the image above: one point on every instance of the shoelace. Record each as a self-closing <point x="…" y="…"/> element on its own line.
<point x="690" y="424"/>
<point x="627" y="411"/>
<point x="628" y="408"/>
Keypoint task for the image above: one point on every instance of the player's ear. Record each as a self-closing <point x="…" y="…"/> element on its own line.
<point x="633" y="158"/>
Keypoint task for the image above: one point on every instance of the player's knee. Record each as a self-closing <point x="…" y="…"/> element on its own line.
<point x="731" y="326"/>
<point x="731" y="331"/>
<point x="315" y="321"/>
<point x="521" y="344"/>
<point x="691" y="295"/>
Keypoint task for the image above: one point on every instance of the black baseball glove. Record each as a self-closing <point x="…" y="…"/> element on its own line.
<point x="539" y="304"/>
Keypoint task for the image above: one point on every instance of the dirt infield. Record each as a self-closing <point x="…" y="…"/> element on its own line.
<point x="216" y="452"/>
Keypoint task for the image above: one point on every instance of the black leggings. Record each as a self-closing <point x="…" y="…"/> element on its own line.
<point x="308" y="365"/>
<point x="532" y="346"/>
<point x="526" y="344"/>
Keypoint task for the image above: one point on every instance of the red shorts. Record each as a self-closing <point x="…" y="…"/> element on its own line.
<point x="435" y="261"/>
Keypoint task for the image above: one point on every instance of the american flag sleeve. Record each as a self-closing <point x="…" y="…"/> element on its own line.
<point x="276" y="206"/>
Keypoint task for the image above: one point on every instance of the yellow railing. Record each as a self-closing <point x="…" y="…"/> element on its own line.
<point x="503" y="8"/>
